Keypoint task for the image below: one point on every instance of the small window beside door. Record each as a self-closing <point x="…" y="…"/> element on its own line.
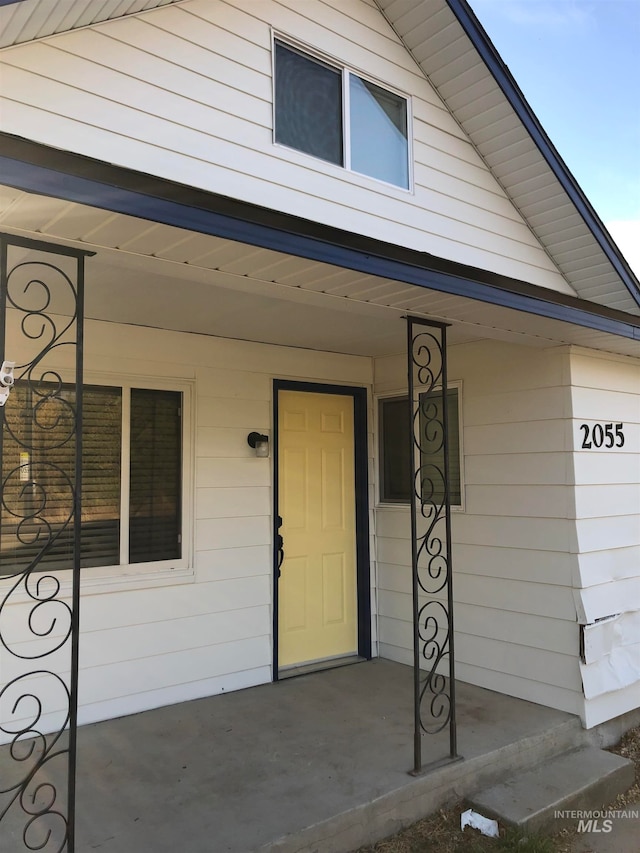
<point x="396" y="465"/>
<point x="336" y="115"/>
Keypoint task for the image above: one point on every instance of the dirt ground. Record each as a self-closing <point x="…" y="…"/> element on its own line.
<point x="441" y="833"/>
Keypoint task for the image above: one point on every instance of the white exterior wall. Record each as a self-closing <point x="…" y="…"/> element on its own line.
<point x="606" y="389"/>
<point x="534" y="558"/>
<point x="184" y="92"/>
<point x="514" y="544"/>
<point x="150" y="640"/>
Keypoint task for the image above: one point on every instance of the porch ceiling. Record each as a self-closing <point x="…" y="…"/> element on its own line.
<point x="25" y="20"/>
<point x="150" y="274"/>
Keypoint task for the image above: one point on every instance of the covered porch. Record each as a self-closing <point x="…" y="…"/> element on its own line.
<point x="317" y="762"/>
<point x="288" y="765"/>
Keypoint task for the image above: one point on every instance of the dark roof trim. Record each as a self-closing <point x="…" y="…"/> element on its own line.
<point x="516" y="98"/>
<point x="36" y="168"/>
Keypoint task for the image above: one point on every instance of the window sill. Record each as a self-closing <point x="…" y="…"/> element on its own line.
<point x="406" y="507"/>
<point x="126" y="578"/>
<point x="118" y="579"/>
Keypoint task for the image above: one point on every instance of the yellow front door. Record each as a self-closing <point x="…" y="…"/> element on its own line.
<point x="317" y="592"/>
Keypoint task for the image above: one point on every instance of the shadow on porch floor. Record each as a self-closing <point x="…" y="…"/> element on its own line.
<point x="316" y="763"/>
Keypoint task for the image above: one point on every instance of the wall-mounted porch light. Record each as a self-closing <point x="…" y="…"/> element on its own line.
<point x="259" y="442"/>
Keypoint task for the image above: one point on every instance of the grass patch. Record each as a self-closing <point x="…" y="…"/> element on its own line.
<point x="512" y="841"/>
<point x="441" y="833"/>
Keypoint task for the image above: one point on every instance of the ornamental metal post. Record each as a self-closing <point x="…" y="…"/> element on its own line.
<point x="433" y="658"/>
<point x="41" y="329"/>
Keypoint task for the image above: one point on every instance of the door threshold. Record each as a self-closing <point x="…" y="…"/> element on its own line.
<point x="317" y="666"/>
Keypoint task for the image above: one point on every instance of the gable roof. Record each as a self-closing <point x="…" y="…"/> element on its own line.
<point x="448" y="43"/>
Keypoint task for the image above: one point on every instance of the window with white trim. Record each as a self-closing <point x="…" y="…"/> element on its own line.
<point x="132" y="477"/>
<point x="336" y="115"/>
<point x="396" y="466"/>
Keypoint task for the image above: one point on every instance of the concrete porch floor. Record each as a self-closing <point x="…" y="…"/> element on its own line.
<point x="314" y="763"/>
<point x="318" y="762"/>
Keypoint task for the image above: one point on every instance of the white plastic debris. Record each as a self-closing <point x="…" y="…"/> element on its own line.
<point x="477" y="821"/>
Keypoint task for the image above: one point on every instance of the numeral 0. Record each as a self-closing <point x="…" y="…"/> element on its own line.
<point x="602" y="434"/>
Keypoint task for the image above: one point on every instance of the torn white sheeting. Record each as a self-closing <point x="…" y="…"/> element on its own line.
<point x="615" y="671"/>
<point x="477" y="821"/>
<point x="603" y="638"/>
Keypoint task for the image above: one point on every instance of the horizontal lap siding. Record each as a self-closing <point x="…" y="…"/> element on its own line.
<point x="146" y="645"/>
<point x="185" y="93"/>
<point x="514" y="544"/>
<point x="607" y="506"/>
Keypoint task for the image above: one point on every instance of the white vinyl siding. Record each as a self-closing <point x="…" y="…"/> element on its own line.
<point x="606" y="389"/>
<point x="513" y="546"/>
<point x="147" y="640"/>
<point x="185" y="92"/>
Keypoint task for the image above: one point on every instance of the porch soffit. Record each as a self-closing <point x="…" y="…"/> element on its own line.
<point x="434" y="34"/>
<point x="26" y="20"/>
<point x="158" y="275"/>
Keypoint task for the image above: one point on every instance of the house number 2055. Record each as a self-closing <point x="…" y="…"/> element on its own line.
<point x="602" y="435"/>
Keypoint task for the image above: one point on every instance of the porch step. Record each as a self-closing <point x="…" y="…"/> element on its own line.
<point x="585" y="778"/>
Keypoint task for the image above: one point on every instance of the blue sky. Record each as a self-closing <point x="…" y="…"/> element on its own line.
<point x="578" y="64"/>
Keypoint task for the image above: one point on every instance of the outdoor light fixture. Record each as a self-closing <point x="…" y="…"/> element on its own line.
<point x="259" y="442"/>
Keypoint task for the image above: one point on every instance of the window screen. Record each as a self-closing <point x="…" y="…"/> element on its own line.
<point x="396" y="466"/>
<point x="155" y="485"/>
<point x="308" y="114"/>
<point x="394" y="458"/>
<point x="101" y="449"/>
<point x="38" y="478"/>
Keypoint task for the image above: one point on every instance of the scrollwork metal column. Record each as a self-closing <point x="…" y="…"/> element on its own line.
<point x="41" y="327"/>
<point x="434" y="684"/>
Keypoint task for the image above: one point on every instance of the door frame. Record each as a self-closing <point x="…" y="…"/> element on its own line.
<point x="363" y="561"/>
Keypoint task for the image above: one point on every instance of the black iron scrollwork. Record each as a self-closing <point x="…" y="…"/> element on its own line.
<point x="40" y="443"/>
<point x="431" y="534"/>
